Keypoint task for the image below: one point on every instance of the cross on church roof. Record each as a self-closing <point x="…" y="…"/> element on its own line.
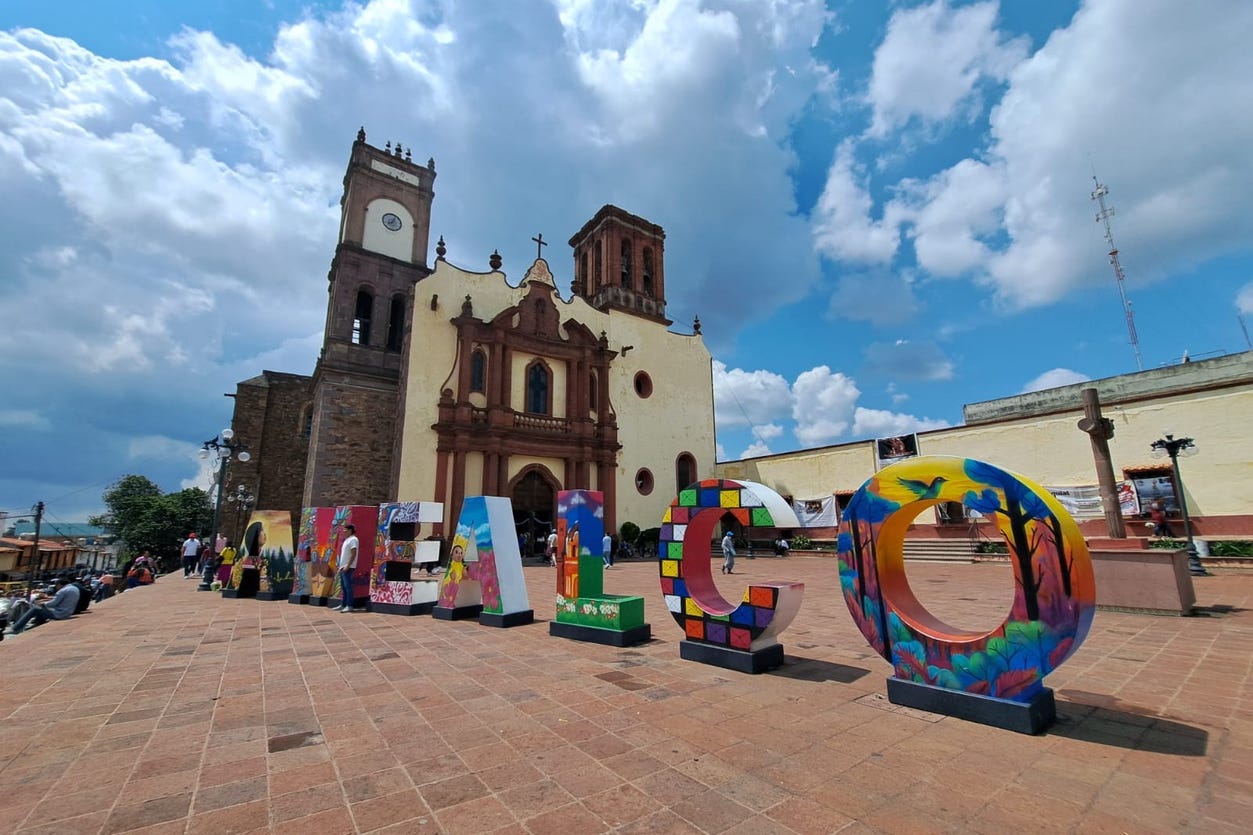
<point x="540" y="243"/>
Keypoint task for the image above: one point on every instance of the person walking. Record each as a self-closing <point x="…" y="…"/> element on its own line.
<point x="552" y="547"/>
<point x="1161" y="525"/>
<point x="347" y="564"/>
<point x="190" y="549"/>
<point x="728" y="552"/>
<point x="606" y="550"/>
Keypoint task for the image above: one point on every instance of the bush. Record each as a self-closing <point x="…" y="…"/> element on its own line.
<point x="629" y="531"/>
<point x="1168" y="544"/>
<point x="990" y="547"/>
<point x="1231" y="548"/>
<point x="648" y="536"/>
<point x="801" y="543"/>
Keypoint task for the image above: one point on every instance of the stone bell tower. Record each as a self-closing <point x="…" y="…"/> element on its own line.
<point x="353" y="419"/>
<point x="619" y="264"/>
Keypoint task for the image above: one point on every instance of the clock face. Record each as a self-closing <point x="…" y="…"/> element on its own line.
<point x="392" y="222"/>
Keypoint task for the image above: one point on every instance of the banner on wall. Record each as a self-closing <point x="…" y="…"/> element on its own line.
<point x="1082" y="501"/>
<point x="1128" y="499"/>
<point x="897" y="448"/>
<point x="816" y="513"/>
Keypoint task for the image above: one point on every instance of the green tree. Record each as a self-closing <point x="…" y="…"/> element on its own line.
<point x="144" y="517"/>
<point x="629" y="531"/>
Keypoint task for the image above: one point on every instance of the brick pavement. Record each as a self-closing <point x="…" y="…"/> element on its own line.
<point x="168" y="710"/>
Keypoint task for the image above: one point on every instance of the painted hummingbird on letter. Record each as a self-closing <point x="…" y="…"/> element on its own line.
<point x="922" y="488"/>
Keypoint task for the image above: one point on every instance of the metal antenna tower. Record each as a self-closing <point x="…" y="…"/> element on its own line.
<point x="1102" y="217"/>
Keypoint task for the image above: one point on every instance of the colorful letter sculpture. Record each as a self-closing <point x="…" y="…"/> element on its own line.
<point x="263" y="567"/>
<point x="315" y="575"/>
<point x="741" y="636"/>
<point x="584" y="611"/>
<point x="393" y="588"/>
<point x="996" y="677"/>
<point x="484" y="576"/>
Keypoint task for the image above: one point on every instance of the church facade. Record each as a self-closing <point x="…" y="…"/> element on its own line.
<point x="435" y="383"/>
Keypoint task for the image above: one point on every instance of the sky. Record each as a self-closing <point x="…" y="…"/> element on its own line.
<point x="880" y="211"/>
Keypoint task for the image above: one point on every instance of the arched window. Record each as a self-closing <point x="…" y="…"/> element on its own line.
<point x="593" y="399"/>
<point x="626" y="263"/>
<point x="647" y="273"/>
<point x="600" y="249"/>
<point x="684" y="471"/>
<point x="538" y="388"/>
<point x="583" y="272"/>
<point x="396" y="324"/>
<point x="478" y="370"/>
<point x="361" y="318"/>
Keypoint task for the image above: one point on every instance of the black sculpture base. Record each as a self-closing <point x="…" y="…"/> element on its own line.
<point x="757" y="661"/>
<point x="324" y="601"/>
<point x="271" y="595"/>
<point x="237" y="593"/>
<point x="298" y="599"/>
<point x="596" y="635"/>
<point x="457" y="612"/>
<point x="508" y="619"/>
<point x="402" y="608"/>
<point x="1029" y="717"/>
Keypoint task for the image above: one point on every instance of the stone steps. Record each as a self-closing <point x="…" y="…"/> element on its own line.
<point x="939" y="550"/>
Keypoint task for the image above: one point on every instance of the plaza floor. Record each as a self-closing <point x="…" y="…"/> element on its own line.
<point x="168" y="710"/>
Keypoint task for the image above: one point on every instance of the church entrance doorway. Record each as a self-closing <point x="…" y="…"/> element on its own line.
<point x="534" y="498"/>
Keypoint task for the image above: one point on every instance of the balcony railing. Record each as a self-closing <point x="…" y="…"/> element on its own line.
<point x="541" y="423"/>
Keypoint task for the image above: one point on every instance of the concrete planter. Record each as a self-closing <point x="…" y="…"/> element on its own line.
<point x="1150" y="581"/>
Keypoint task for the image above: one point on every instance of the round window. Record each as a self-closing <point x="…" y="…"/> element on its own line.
<point x="643" y="384"/>
<point x="644" y="482"/>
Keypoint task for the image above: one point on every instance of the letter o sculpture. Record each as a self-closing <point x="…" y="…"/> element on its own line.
<point x="1054" y="594"/>
<point x="705" y="616"/>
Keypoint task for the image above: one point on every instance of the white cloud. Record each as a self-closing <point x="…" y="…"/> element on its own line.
<point x="823" y="406"/>
<point x="768" y="432"/>
<point x="25" y="419"/>
<point x="843" y="227"/>
<point x="744" y="397"/>
<point x="1244" y="299"/>
<point x="1054" y="378"/>
<point x="878" y="423"/>
<point x="932" y="59"/>
<point x="908" y="360"/>
<point x="755" y="449"/>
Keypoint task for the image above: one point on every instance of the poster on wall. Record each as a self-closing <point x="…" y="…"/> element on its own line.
<point x="898" y="448"/>
<point x="1128" y="501"/>
<point x="816" y="513"/>
<point x="1154" y="488"/>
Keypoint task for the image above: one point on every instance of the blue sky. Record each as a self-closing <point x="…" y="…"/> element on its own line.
<point x="880" y="211"/>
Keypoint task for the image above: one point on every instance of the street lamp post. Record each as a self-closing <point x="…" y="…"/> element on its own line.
<point x="243" y="501"/>
<point x="1173" y="447"/>
<point x="225" y="447"/>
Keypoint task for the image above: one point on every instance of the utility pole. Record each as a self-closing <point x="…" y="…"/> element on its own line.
<point x="35" y="557"/>
<point x="1103" y="215"/>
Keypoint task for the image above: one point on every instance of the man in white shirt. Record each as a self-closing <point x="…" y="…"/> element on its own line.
<point x="728" y="553"/>
<point x="606" y="550"/>
<point x="190" y="549"/>
<point x="552" y="548"/>
<point x="348" y="551"/>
